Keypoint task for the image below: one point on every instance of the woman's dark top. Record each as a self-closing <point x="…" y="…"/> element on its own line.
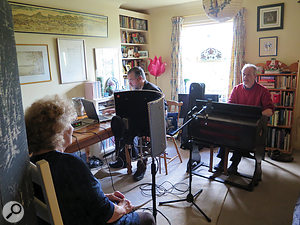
<point x="79" y="194"/>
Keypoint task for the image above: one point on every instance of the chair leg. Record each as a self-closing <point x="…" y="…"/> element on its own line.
<point x="128" y="159"/>
<point x="178" y="153"/>
<point x="159" y="163"/>
<point x="226" y="160"/>
<point x="166" y="163"/>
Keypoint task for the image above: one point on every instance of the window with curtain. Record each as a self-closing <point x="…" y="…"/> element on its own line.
<point x="206" y="56"/>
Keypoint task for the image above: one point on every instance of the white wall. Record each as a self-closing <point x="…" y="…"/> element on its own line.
<point x="32" y="92"/>
<point x="288" y="44"/>
<point x="160" y="36"/>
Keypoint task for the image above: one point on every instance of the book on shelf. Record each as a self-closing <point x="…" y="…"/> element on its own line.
<point x="275" y="98"/>
<point x="133" y="23"/>
<point x="278" y="138"/>
<point x="281" y="117"/>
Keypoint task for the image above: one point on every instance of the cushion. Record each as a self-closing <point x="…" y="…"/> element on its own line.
<point x="172" y="123"/>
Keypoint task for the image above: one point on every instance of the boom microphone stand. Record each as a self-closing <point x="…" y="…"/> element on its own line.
<point x="190" y="197"/>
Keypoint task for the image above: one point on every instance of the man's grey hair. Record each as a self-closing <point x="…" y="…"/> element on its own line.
<point x="138" y="72"/>
<point x="248" y="65"/>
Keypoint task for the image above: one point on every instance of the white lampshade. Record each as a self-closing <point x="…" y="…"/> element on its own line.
<point x="222" y="10"/>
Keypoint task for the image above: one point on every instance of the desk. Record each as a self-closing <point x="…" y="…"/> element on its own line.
<point x="92" y="134"/>
<point x="89" y="135"/>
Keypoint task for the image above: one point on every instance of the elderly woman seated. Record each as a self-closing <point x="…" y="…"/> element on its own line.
<point x="79" y="194"/>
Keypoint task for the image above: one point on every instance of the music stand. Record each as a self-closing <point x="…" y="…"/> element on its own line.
<point x="143" y="114"/>
<point x="190" y="197"/>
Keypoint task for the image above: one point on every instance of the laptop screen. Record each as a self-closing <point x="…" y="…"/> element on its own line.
<point x="90" y="109"/>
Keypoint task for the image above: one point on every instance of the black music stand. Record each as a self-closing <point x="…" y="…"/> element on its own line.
<point x="190" y="197"/>
<point x="145" y="120"/>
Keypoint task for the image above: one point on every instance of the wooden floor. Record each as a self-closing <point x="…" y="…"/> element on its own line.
<point x="270" y="203"/>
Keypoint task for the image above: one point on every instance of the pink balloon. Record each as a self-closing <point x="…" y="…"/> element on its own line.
<point x="156" y="67"/>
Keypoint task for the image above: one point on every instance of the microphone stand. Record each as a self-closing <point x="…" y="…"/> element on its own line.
<point x="190" y="197"/>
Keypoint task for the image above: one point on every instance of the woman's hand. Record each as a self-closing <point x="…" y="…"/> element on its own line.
<point x="115" y="197"/>
<point x="126" y="205"/>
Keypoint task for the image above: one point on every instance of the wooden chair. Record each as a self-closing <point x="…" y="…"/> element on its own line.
<point x="48" y="210"/>
<point x="174" y="107"/>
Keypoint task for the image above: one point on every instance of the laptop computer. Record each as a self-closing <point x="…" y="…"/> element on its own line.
<point x="91" y="112"/>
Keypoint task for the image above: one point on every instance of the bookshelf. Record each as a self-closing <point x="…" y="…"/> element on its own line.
<point x="134" y="35"/>
<point x="282" y="85"/>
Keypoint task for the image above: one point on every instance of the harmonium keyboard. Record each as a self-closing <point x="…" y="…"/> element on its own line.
<point x="236" y="127"/>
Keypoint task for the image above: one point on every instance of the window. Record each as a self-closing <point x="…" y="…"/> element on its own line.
<point x="206" y="56"/>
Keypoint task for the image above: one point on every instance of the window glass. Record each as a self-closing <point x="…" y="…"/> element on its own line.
<point x="206" y="56"/>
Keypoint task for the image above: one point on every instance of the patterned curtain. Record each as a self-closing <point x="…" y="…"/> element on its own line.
<point x="177" y="84"/>
<point x="238" y="49"/>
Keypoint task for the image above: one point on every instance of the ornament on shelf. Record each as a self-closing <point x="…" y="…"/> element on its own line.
<point x="273" y="66"/>
<point x="156" y="67"/>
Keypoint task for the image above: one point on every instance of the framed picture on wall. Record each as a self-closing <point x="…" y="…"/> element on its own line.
<point x="72" y="64"/>
<point x="46" y="20"/>
<point x="33" y="63"/>
<point x="270" y="17"/>
<point x="268" y="46"/>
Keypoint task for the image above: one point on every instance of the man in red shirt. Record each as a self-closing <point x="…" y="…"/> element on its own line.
<point x="247" y="93"/>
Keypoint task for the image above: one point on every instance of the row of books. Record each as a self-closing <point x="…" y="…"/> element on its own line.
<point x="132" y="37"/>
<point x="278" y="138"/>
<point x="282" y="117"/>
<point x="107" y="143"/>
<point x="279" y="82"/>
<point x="127" y="64"/>
<point x="133" y="23"/>
<point x="283" y="98"/>
<point x="93" y="90"/>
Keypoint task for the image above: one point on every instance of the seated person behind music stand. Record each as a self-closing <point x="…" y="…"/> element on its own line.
<point x="247" y="93"/>
<point x="79" y="193"/>
<point x="137" y="81"/>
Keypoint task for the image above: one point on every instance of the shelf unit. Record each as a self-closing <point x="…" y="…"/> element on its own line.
<point x="134" y="35"/>
<point x="283" y="87"/>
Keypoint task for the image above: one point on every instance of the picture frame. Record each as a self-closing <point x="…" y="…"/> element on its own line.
<point x="268" y="46"/>
<point x="72" y="61"/>
<point x="270" y="17"/>
<point x="143" y="54"/>
<point x="33" y="63"/>
<point x="47" y="20"/>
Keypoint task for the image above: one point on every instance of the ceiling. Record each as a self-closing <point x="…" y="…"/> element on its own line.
<point x="144" y="5"/>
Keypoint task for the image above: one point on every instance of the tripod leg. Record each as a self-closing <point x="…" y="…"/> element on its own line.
<point x="172" y="201"/>
<point x="206" y="217"/>
<point x="198" y="193"/>
<point x="190" y="197"/>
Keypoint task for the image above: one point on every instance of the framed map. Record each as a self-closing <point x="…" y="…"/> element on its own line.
<point x="45" y="20"/>
<point x="33" y="63"/>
